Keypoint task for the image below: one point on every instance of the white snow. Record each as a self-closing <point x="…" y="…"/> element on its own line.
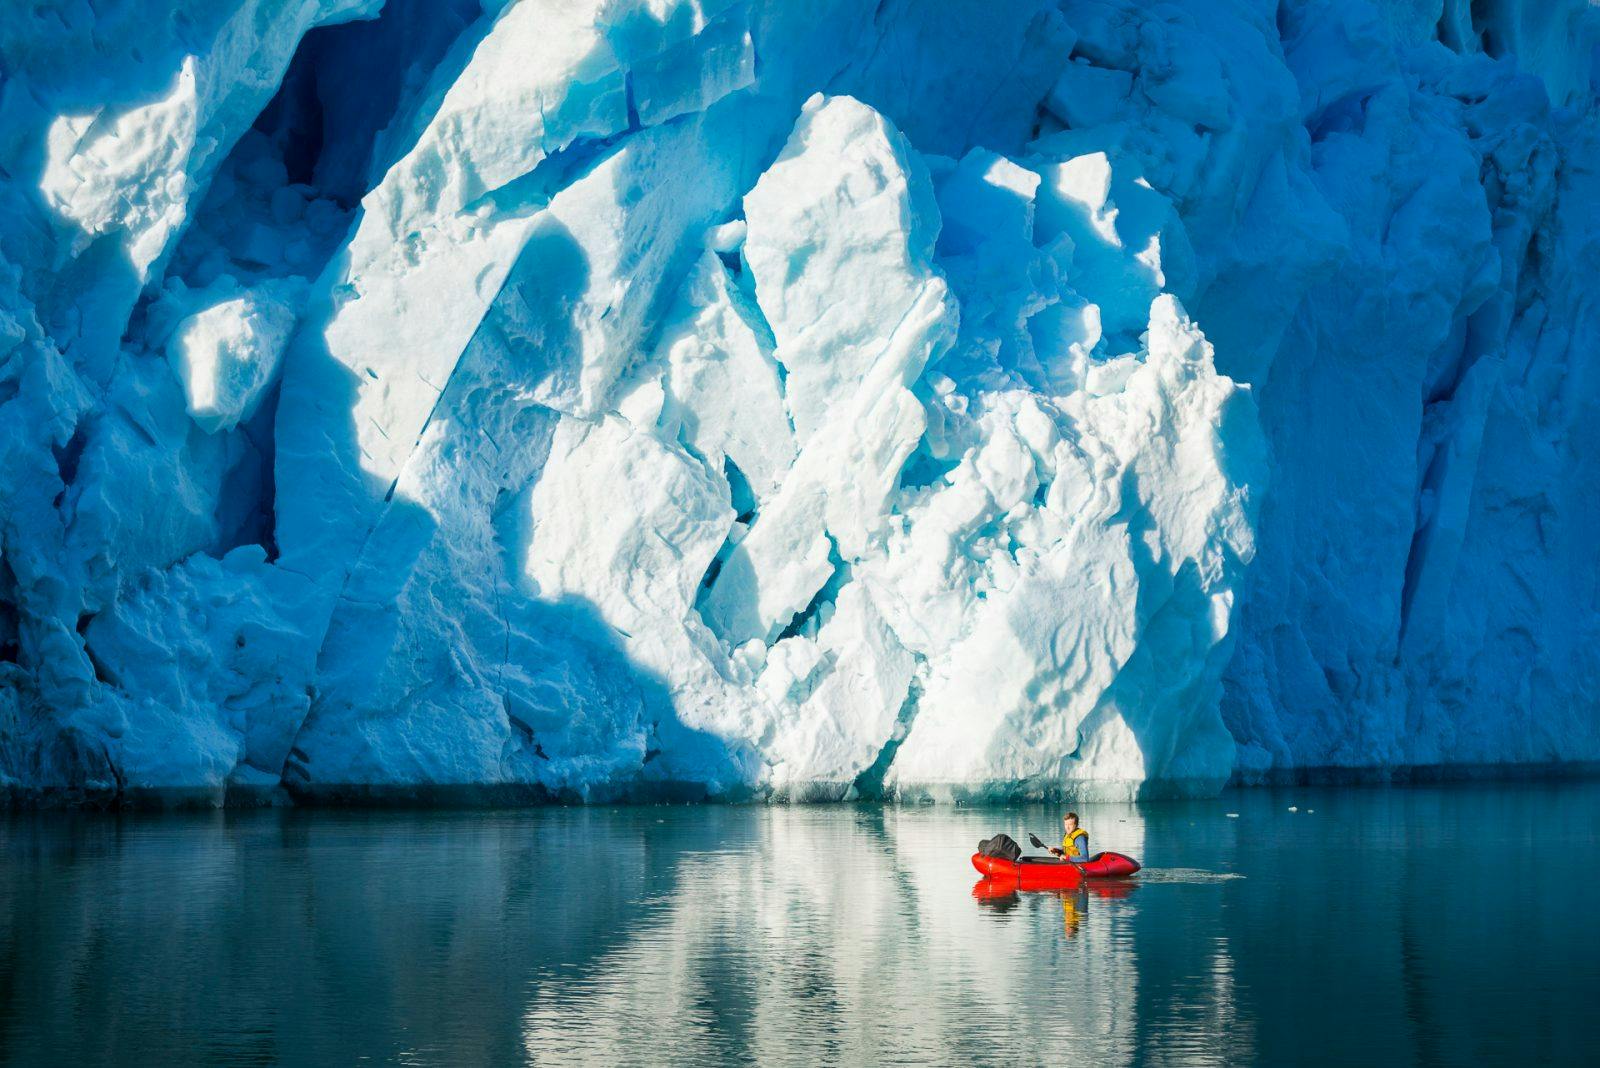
<point x="929" y="398"/>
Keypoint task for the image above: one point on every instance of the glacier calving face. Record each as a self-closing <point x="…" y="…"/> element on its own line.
<point x="741" y="398"/>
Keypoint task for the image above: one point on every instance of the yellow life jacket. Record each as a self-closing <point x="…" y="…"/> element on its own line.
<point x="1069" y="842"/>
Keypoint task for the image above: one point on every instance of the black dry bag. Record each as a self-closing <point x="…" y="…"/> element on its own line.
<point x="1000" y="846"/>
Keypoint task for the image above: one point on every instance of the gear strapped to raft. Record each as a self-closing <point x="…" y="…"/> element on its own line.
<point x="1000" y="846"/>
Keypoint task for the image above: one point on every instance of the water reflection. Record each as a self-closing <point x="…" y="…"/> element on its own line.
<point x="799" y="935"/>
<point x="810" y="927"/>
<point x="1002" y="895"/>
<point x="829" y="931"/>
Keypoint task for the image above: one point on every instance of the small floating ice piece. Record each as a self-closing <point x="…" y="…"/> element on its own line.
<point x="1233" y="815"/>
<point x="1294" y="808"/>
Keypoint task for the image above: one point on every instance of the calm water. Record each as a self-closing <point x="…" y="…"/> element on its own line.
<point x="1424" y="925"/>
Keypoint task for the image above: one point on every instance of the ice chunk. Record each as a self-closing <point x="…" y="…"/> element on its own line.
<point x="1126" y="240"/>
<point x="695" y="73"/>
<point x="131" y="172"/>
<point x="841" y="232"/>
<point x="1086" y="95"/>
<point x="227" y="354"/>
<point x="840" y="242"/>
<point x="1141" y="633"/>
<point x="636" y="571"/>
<point x="201" y="661"/>
<point x="724" y="382"/>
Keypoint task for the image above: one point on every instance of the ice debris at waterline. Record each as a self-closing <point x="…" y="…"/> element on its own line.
<point x="916" y="398"/>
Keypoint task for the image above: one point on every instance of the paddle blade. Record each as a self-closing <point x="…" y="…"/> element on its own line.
<point x="1036" y="843"/>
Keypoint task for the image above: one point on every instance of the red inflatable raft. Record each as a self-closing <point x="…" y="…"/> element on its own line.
<point x="1048" y="873"/>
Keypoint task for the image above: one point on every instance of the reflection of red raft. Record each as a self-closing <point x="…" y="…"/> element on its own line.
<point x="1000" y="889"/>
<point x="1048" y="873"/>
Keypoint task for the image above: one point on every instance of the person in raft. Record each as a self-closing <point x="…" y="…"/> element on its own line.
<point x="1074" y="840"/>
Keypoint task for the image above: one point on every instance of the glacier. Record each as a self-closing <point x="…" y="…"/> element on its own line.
<point x="753" y="399"/>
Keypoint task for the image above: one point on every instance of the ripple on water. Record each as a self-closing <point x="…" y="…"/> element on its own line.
<point x="1186" y="875"/>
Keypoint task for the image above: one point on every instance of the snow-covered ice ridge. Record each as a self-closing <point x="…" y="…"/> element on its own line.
<point x="917" y="398"/>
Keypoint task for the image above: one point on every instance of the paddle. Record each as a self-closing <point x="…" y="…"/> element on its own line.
<point x="1038" y="844"/>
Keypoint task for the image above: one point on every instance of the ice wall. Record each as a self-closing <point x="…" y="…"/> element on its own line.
<point x="728" y="398"/>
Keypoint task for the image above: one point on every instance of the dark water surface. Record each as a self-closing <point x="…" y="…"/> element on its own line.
<point x="1429" y="925"/>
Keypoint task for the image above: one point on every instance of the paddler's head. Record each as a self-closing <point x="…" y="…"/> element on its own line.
<point x="1069" y="822"/>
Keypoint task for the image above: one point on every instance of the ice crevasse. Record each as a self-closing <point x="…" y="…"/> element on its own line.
<point x="717" y="398"/>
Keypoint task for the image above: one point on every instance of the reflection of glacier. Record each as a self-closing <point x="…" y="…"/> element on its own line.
<point x="804" y="942"/>
<point x="798" y="935"/>
<point x="749" y="398"/>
